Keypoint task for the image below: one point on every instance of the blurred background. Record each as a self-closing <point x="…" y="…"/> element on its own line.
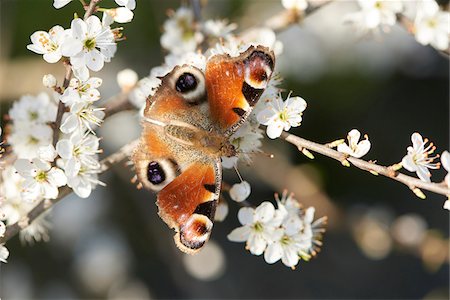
<point x="381" y="242"/>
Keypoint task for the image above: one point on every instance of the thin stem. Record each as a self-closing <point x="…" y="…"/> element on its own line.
<point x="44" y="205"/>
<point x="389" y="172"/>
<point x="91" y="8"/>
<point x="61" y="105"/>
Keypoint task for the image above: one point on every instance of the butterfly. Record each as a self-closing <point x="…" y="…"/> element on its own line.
<point x="187" y="125"/>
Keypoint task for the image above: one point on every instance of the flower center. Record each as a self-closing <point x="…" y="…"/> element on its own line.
<point x="33" y="140"/>
<point x="258" y="227"/>
<point x="378" y="5"/>
<point x="33" y="115"/>
<point x="285" y="240"/>
<point x="432" y="23"/>
<point x="89" y="44"/>
<point x="283" y="116"/>
<point x="41" y="176"/>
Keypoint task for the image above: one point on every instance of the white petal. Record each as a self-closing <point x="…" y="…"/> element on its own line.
<point x="221" y="211"/>
<point x="274" y="129"/>
<point x="50" y="191"/>
<point x="447" y="205"/>
<point x="353" y="137"/>
<point x="24" y="167"/>
<point x="273" y="253"/>
<point x="65" y="148"/>
<point x="423" y="173"/>
<point x="52" y="57"/>
<point x="239" y="234"/>
<point x="47" y="153"/>
<point x="79" y="28"/>
<point x="290" y="257"/>
<point x="264" y="212"/>
<point x="256" y="244"/>
<point x="94" y="60"/>
<point x="71" y="46"/>
<point x="362" y="148"/>
<point x="60" y="3"/>
<point x="408" y="163"/>
<point x="70" y="124"/>
<point x="2" y="229"/>
<point x="4" y="253"/>
<point x="57" y="177"/>
<point x="344" y="148"/>
<point x="445" y="160"/>
<point x="246" y="215"/>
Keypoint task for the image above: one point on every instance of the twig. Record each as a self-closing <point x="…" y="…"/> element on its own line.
<point x="44" y="205"/>
<point x="117" y="104"/>
<point x="411" y="182"/>
<point x="61" y="105"/>
<point x="91" y="8"/>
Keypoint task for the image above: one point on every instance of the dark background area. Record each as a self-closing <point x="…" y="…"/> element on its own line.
<point x="412" y="95"/>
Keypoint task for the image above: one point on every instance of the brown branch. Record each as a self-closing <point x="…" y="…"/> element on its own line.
<point x="44" y="205"/>
<point x="91" y="8"/>
<point x="61" y="105"/>
<point x="117" y="104"/>
<point x="411" y="182"/>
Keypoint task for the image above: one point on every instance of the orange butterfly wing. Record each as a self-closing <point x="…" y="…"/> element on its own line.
<point x="234" y="85"/>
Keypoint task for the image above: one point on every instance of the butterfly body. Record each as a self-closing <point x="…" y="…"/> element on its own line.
<point x="186" y="129"/>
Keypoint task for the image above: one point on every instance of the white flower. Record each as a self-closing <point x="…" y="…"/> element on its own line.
<point x="355" y="147"/>
<point x="4" y="253"/>
<point x="127" y="79"/>
<point x="447" y="205"/>
<point x="418" y="160"/>
<point x="89" y="45"/>
<point x="2" y="229"/>
<point x="247" y="141"/>
<point x="80" y="162"/>
<point x="130" y="4"/>
<point x="221" y="211"/>
<point x="28" y="109"/>
<point x="262" y="36"/>
<point x="41" y="179"/>
<point x="36" y="231"/>
<point x="375" y="13"/>
<point x="240" y="191"/>
<point x="84" y="181"/>
<point x="82" y="116"/>
<point x="77" y="151"/>
<point x="218" y="28"/>
<point x="60" y="3"/>
<point x="48" y="44"/>
<point x="119" y="15"/>
<point x="258" y="227"/>
<point x="179" y="34"/>
<point x="26" y="138"/>
<point x="445" y="161"/>
<point x="47" y="153"/>
<point x="295" y="4"/>
<point x="281" y="115"/>
<point x="144" y="88"/>
<point x="432" y="25"/>
<point x="81" y="91"/>
<point x="49" y="81"/>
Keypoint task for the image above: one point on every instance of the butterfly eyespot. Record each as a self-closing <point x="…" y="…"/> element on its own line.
<point x="190" y="83"/>
<point x="155" y="173"/>
<point x="186" y="83"/>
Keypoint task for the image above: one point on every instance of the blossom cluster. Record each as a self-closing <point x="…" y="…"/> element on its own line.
<point x="430" y="24"/>
<point x="287" y="233"/>
<point x="52" y="137"/>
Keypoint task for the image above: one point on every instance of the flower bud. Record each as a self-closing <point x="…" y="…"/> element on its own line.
<point x="49" y="81"/>
<point x="127" y="79"/>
